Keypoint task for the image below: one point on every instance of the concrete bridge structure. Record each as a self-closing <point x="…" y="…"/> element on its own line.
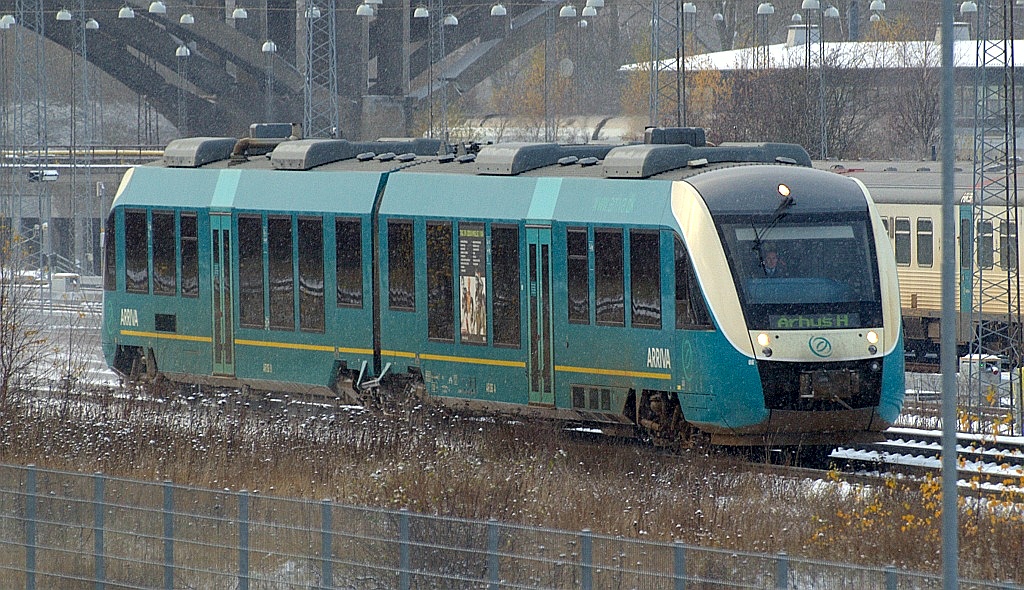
<point x="382" y="60"/>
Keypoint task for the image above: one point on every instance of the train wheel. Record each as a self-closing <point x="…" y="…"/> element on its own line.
<point x="661" y="418"/>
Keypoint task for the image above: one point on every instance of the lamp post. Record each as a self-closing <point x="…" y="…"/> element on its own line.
<point x="449" y="20"/>
<point x="181" y="54"/>
<point x="764" y="11"/>
<point x="6" y="22"/>
<point x="86" y="244"/>
<point x="269" y="49"/>
<point x="688" y="11"/>
<point x="424" y="12"/>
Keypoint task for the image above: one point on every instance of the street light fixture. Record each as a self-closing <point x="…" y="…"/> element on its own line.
<point x="498" y="10"/>
<point x="126" y="12"/>
<point x="157" y="7"/>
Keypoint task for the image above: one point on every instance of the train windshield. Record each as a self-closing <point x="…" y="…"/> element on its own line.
<point x="805" y="272"/>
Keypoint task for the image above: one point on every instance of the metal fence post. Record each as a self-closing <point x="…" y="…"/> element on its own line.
<point x="30" y="528"/>
<point x="587" y="559"/>
<point x="326" y="550"/>
<point x="493" y="563"/>
<point x="98" y="512"/>
<point x="782" y="571"/>
<point x="890" y="578"/>
<point x="679" y="554"/>
<point x="168" y="535"/>
<point x="403" y="549"/>
<point x="243" y="540"/>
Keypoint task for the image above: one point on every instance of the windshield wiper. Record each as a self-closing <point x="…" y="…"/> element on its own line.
<point x="781" y="211"/>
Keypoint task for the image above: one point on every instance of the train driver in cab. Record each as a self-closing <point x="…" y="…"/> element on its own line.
<point x="773" y="265"/>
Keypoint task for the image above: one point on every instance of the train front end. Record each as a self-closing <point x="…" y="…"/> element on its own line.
<point x="810" y="299"/>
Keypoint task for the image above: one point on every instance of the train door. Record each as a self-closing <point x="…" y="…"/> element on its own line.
<point x="540" y="366"/>
<point x="223" y="337"/>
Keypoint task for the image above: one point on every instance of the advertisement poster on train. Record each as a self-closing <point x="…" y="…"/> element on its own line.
<point x="472" y="283"/>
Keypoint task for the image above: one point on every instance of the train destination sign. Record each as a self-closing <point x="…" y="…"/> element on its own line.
<point x="810" y="321"/>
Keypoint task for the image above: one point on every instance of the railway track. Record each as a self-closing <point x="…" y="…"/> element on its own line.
<point x="986" y="466"/>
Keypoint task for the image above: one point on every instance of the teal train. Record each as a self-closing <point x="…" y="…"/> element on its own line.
<point x="670" y="289"/>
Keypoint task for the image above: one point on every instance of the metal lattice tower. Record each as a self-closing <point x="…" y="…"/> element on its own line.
<point x="29" y="140"/>
<point x="666" y="63"/>
<point x="320" y="88"/>
<point x="995" y="305"/>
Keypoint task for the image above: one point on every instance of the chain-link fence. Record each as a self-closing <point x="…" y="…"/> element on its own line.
<point x="71" y="530"/>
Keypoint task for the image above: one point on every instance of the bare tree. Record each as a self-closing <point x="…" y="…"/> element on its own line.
<point x="23" y="350"/>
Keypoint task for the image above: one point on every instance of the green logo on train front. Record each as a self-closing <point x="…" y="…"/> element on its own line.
<point x="820" y="346"/>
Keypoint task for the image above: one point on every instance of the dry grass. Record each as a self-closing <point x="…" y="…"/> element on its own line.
<point x="432" y="461"/>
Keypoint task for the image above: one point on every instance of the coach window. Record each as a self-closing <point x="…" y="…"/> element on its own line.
<point x="985" y="244"/>
<point x="578" y="271"/>
<point x="691" y="312"/>
<point x="505" y="278"/>
<point x="164" y="254"/>
<point x="311" y="274"/>
<point x="250" y="271"/>
<point x="925" y="250"/>
<point x="645" y="278"/>
<point x="110" y="254"/>
<point x="189" y="256"/>
<point x="401" y="267"/>
<point x="609" y="287"/>
<point x="440" y="290"/>
<point x="966" y="242"/>
<point x="281" y="273"/>
<point x="348" y="258"/>
<point x="903" y="241"/>
<point x="136" y="251"/>
<point x="1007" y="246"/>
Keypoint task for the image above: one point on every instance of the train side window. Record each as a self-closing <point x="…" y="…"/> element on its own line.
<point x="164" y="254"/>
<point x="311" y="274"/>
<point x="348" y="257"/>
<point x="281" y="273"/>
<point x="925" y="245"/>
<point x="645" y="278"/>
<point x="985" y="244"/>
<point x="609" y="289"/>
<point x="440" y="290"/>
<point x="110" y="254"/>
<point x="136" y="251"/>
<point x="250" y="271"/>
<point x="966" y="241"/>
<point x="1007" y="246"/>
<point x="578" y="275"/>
<point x="505" y="281"/>
<point x="903" y="241"/>
<point x="401" y="266"/>
<point x="189" y="255"/>
<point x="691" y="311"/>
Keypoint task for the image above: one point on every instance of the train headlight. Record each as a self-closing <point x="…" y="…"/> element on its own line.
<point x="763" y="339"/>
<point x="872" y="337"/>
